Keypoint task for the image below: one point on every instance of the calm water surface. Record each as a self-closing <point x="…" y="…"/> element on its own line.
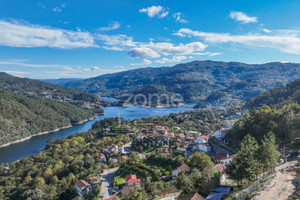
<point x="32" y="146"/>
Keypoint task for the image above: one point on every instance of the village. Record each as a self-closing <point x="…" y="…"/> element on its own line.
<point x="148" y="144"/>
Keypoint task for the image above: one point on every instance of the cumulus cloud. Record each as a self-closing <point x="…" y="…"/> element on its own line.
<point x="59" y="8"/>
<point x="14" y="34"/>
<point x="143" y="52"/>
<point x="287" y="41"/>
<point x="155" y="11"/>
<point x="171" y="60"/>
<point x="67" y="69"/>
<point x="242" y="17"/>
<point x="166" y="49"/>
<point x="179" y="17"/>
<point x="116" y="42"/>
<point x="112" y="26"/>
<point x="144" y="62"/>
<point x="150" y="49"/>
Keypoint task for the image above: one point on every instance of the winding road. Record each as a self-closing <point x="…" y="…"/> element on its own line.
<point x="106" y="186"/>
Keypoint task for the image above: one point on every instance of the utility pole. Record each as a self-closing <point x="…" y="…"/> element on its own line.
<point x="119" y="120"/>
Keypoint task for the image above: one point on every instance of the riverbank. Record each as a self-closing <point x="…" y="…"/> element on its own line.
<point x="47" y="132"/>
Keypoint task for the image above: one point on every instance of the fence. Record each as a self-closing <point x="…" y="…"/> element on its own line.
<point x="246" y="192"/>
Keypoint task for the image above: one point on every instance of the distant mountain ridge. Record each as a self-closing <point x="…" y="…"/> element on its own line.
<point x="198" y="80"/>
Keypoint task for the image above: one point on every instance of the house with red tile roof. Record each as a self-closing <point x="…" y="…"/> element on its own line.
<point x="94" y="181"/>
<point x="220" y="168"/>
<point x="132" y="180"/>
<point x="224" y="159"/>
<point x="102" y="157"/>
<point x="182" y="168"/>
<point x="82" y="187"/>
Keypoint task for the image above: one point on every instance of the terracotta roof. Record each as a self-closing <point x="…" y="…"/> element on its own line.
<point x="101" y="155"/>
<point x="195" y="196"/>
<point x="222" y="156"/>
<point x="205" y="136"/>
<point x="81" y="183"/>
<point x="131" y="133"/>
<point x="181" y="135"/>
<point x="93" y="179"/>
<point x="164" y="193"/>
<point x="184" y="168"/>
<point x="131" y="178"/>
<point x="220" y="168"/>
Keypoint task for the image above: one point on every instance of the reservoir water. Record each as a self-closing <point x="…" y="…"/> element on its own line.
<point x="35" y="144"/>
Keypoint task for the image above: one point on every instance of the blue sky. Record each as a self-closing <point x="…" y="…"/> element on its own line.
<point x="62" y="39"/>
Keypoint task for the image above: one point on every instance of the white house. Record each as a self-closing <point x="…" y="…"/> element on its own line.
<point x="82" y="188"/>
<point x="102" y="157"/>
<point x="221" y="133"/>
<point x="224" y="159"/>
<point x="203" y="147"/>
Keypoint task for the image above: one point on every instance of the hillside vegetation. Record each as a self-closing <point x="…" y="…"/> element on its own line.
<point x="33" y="88"/>
<point x="276" y="97"/>
<point x="199" y="80"/>
<point x="21" y="116"/>
<point x="283" y="122"/>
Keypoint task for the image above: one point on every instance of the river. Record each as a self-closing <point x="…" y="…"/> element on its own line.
<point x="35" y="144"/>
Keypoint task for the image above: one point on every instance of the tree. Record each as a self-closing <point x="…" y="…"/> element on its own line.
<point x="135" y="194"/>
<point x="184" y="183"/>
<point x="201" y="161"/>
<point x="245" y="163"/>
<point x="268" y="155"/>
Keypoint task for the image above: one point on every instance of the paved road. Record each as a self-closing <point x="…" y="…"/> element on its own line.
<point x="106" y="186"/>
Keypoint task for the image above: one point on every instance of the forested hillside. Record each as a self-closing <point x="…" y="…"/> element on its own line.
<point x="290" y="93"/>
<point x="199" y="80"/>
<point x="34" y="88"/>
<point x="21" y="116"/>
<point x="283" y="122"/>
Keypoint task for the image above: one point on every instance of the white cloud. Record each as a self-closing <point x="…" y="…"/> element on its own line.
<point x="153" y="11"/>
<point x="287" y="41"/>
<point x="172" y="60"/>
<point x="67" y="69"/>
<point x="143" y="52"/>
<point x="242" y="17"/>
<point x="112" y="26"/>
<point x="116" y="42"/>
<point x="215" y="54"/>
<point x="166" y="49"/>
<point x="57" y="9"/>
<point x="266" y="30"/>
<point x="178" y="17"/>
<point x="148" y="50"/>
<point x="14" y="34"/>
<point x="144" y="62"/>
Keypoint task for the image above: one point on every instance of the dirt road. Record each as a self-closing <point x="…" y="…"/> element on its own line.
<point x="282" y="186"/>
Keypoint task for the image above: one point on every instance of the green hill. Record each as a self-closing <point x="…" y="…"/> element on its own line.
<point x="21" y="116"/>
<point x="198" y="80"/>
<point x="33" y="88"/>
<point x="276" y="97"/>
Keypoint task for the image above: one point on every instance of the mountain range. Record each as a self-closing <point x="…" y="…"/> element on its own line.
<point x="210" y="81"/>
